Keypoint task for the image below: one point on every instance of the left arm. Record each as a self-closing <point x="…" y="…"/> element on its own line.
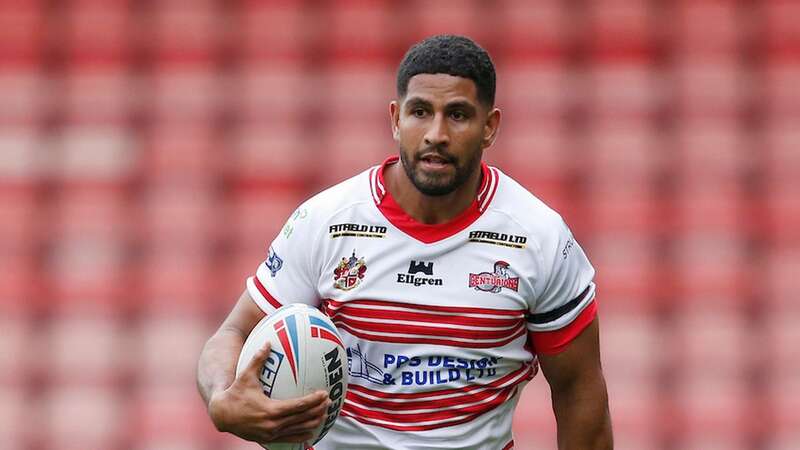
<point x="579" y="396"/>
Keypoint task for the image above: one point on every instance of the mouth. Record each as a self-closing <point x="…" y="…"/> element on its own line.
<point x="435" y="161"/>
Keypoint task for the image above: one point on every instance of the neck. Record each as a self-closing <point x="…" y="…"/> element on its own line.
<point x="431" y="210"/>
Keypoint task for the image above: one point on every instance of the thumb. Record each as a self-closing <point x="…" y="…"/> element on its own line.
<point x="259" y="359"/>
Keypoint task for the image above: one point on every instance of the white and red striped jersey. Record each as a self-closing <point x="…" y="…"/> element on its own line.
<point x="442" y="323"/>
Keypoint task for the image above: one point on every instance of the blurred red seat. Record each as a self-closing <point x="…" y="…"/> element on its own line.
<point x="169" y="416"/>
<point x="82" y="351"/>
<point x="165" y="348"/>
<point x="257" y="215"/>
<point x="369" y="85"/>
<point x="185" y="94"/>
<point x="783" y="396"/>
<point x="78" y="418"/>
<point x="634" y="404"/>
<point x="710" y="89"/>
<point x="627" y="269"/>
<point x="714" y="411"/>
<point x="96" y="33"/>
<point x="270" y="91"/>
<point x="22" y="31"/>
<point x="778" y="276"/>
<point x="348" y="150"/>
<point x="535" y="150"/>
<point x="463" y="17"/>
<point x="16" y="420"/>
<point x="631" y="345"/>
<point x="94" y="154"/>
<point x="534" y="91"/>
<point x="177" y="280"/>
<point x="712" y="341"/>
<point x="780" y="157"/>
<point x="782" y="336"/>
<point x="370" y="40"/>
<point x="712" y="205"/>
<point x="780" y="26"/>
<point x="713" y="151"/>
<point x="707" y="27"/>
<point x="620" y="28"/>
<point x="284" y="25"/>
<point x="622" y="89"/>
<point x="273" y="154"/>
<point x="533" y="31"/>
<point x="16" y="350"/>
<point x="713" y="266"/>
<point x="104" y="95"/>
<point x="781" y="77"/>
<point x="26" y="95"/>
<point x="181" y="215"/>
<point x="185" y="31"/>
<point x="782" y="206"/>
<point x="184" y="154"/>
<point x="629" y="153"/>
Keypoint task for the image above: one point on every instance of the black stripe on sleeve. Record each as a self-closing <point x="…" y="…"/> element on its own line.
<point x="560" y="311"/>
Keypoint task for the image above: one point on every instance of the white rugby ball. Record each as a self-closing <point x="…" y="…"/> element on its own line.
<point x="307" y="355"/>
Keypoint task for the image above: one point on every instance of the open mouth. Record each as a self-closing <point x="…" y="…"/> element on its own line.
<point x="434" y="160"/>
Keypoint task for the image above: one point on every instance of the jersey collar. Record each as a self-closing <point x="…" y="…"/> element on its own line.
<point x="424" y="232"/>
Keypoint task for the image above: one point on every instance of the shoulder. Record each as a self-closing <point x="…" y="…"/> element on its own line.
<point x="351" y="193"/>
<point x="542" y="223"/>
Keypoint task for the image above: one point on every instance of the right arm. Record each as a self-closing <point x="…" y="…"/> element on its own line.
<point x="238" y="405"/>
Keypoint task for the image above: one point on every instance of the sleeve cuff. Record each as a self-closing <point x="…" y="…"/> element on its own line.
<point x="258" y="292"/>
<point x="556" y="341"/>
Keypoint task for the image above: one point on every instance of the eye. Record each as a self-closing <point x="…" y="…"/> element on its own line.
<point x="458" y="116"/>
<point x="418" y="112"/>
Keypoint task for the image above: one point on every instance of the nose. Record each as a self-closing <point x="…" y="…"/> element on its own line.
<point x="437" y="134"/>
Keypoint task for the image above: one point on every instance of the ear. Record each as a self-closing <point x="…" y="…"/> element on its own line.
<point x="394" y="116"/>
<point x="491" y="128"/>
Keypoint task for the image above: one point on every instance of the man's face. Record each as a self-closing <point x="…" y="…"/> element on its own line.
<point x="442" y="130"/>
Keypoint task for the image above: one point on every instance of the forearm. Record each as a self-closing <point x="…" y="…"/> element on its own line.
<point x="216" y="368"/>
<point x="582" y="416"/>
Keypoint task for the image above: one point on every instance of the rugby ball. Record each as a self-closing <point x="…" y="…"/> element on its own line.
<point x="307" y="355"/>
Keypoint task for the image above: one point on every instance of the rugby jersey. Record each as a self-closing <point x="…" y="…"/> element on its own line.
<point x="442" y="323"/>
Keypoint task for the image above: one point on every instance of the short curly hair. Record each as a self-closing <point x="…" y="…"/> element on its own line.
<point x="453" y="55"/>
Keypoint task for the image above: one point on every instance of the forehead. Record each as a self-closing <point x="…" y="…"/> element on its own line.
<point x="442" y="87"/>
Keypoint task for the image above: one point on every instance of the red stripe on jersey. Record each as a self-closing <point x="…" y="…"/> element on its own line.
<point x="437" y="414"/>
<point x="556" y="341"/>
<point x="408" y="427"/>
<point x="366" y="313"/>
<point x="404" y="424"/>
<point x="524" y="373"/>
<point x="406" y="405"/>
<point x="405" y="329"/>
<point x="509" y="446"/>
<point x="422" y="340"/>
<point x="270" y="299"/>
<point x="335" y="304"/>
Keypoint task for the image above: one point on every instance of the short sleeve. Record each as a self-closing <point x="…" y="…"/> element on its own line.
<point x="564" y="304"/>
<point x="286" y="276"/>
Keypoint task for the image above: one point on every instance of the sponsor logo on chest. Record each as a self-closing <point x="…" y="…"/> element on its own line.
<point x="357" y="230"/>
<point x="501" y="239"/>
<point x="496" y="281"/>
<point x="420" y="273"/>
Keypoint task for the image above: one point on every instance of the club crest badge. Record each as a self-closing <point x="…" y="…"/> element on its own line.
<point x="494" y="282"/>
<point x="274" y="262"/>
<point x="349" y="273"/>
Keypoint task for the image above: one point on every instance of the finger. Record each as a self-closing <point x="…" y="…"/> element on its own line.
<point x="283" y="408"/>
<point x="305" y="426"/>
<point x="297" y="437"/>
<point x="318" y="412"/>
<point x="259" y="359"/>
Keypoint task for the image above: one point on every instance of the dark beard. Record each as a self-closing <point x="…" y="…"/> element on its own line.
<point x="439" y="186"/>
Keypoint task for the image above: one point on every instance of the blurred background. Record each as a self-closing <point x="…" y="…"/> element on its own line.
<point x="150" y="151"/>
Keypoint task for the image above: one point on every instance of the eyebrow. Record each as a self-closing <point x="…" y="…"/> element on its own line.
<point x="458" y="104"/>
